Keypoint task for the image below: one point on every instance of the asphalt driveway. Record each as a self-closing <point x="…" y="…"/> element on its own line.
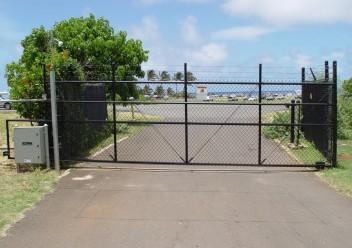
<point x="207" y="144"/>
<point x="187" y="207"/>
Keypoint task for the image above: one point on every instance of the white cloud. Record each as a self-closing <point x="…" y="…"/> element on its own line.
<point x="244" y="32"/>
<point x="285" y="13"/>
<point x="148" y="31"/>
<point x="210" y="54"/>
<point x="299" y="60"/>
<point x="189" y="30"/>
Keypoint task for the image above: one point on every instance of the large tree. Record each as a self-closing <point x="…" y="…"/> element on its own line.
<point x="89" y="48"/>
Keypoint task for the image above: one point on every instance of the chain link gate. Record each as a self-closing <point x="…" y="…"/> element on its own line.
<point x="249" y="118"/>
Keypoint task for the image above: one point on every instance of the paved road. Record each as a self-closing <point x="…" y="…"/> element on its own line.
<point x="174" y="208"/>
<point x="201" y="111"/>
<point x="208" y="144"/>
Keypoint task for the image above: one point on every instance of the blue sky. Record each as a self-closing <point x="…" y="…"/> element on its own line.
<point x="294" y="33"/>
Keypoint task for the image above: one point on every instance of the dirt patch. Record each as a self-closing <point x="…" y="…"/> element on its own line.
<point x="344" y="156"/>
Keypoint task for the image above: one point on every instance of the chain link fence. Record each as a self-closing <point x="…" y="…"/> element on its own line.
<point x="258" y="116"/>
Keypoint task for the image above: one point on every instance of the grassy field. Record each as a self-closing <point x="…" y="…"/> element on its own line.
<point x="340" y="177"/>
<point x="18" y="193"/>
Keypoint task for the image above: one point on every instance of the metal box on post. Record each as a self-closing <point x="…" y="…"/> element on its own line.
<point x="29" y="144"/>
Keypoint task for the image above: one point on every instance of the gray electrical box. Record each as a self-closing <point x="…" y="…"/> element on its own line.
<point x="29" y="144"/>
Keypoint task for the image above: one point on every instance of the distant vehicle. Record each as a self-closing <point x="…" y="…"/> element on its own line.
<point x="279" y="97"/>
<point x="245" y="98"/>
<point x="4" y="102"/>
<point x="252" y="98"/>
<point x="208" y="99"/>
<point x="269" y="97"/>
<point x="299" y="94"/>
<point x="232" y="97"/>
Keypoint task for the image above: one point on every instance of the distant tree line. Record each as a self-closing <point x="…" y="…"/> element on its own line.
<point x="164" y="76"/>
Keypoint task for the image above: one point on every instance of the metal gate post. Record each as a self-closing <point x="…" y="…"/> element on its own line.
<point x="8" y="139"/>
<point x="292" y="128"/>
<point x="260" y="117"/>
<point x="298" y="122"/>
<point x="114" y="108"/>
<point x="45" y="95"/>
<point x="186" y="113"/>
<point x="334" y="92"/>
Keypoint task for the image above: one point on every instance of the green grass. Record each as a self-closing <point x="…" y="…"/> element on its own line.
<point x="340" y="177"/>
<point x="308" y="154"/>
<point x="18" y="193"/>
<point x="3" y="117"/>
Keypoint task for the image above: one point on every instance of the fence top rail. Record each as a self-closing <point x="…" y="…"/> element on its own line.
<point x="198" y="103"/>
<point x="204" y="82"/>
<point x="26" y="100"/>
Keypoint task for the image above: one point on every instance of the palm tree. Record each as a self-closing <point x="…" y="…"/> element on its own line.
<point x="151" y="75"/>
<point x="190" y="77"/>
<point x="147" y="90"/>
<point x="170" y="91"/>
<point x="164" y="76"/>
<point x="159" y="90"/>
<point x="178" y="76"/>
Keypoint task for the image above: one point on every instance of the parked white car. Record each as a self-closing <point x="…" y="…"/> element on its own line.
<point x="4" y="102"/>
<point x="280" y="97"/>
<point x="208" y="99"/>
<point x="269" y="97"/>
<point x="252" y="98"/>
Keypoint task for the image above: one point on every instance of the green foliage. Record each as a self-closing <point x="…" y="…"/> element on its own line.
<point x="347" y="87"/>
<point x="151" y="75"/>
<point x="26" y="84"/>
<point x="90" y="47"/>
<point x="159" y="90"/>
<point x="164" y="76"/>
<point x="274" y="132"/>
<point x="147" y="90"/>
<point x="344" y="117"/>
<point x="190" y="77"/>
<point x="122" y="128"/>
<point x="170" y="91"/>
<point x="344" y="111"/>
<point x="178" y="76"/>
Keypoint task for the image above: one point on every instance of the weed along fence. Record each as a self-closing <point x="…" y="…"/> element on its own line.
<point x="198" y="115"/>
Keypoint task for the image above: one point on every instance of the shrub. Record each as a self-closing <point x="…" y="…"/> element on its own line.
<point x="274" y="132"/>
